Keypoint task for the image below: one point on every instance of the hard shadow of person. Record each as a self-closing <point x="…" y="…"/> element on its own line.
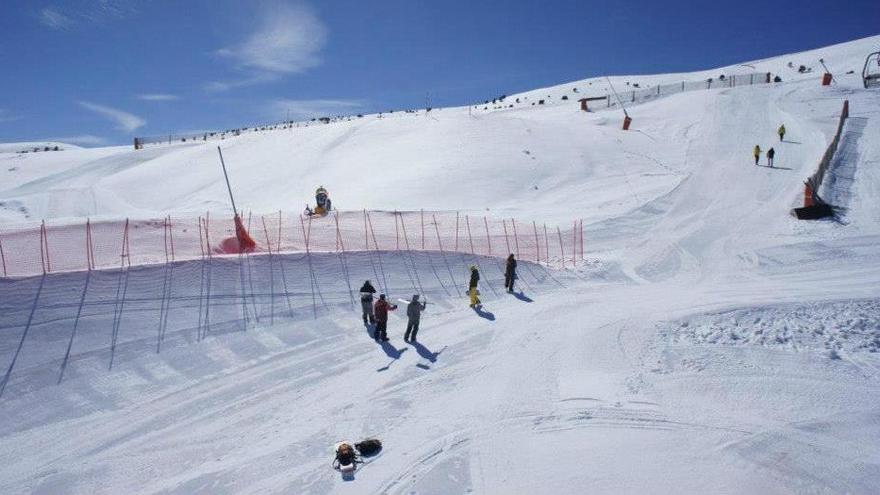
<point x="522" y="297"/>
<point x="371" y="330"/>
<point x="392" y="352"/>
<point x="482" y="313"/>
<point x="425" y="352"/>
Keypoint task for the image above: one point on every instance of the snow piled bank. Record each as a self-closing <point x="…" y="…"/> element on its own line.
<point x="852" y="326"/>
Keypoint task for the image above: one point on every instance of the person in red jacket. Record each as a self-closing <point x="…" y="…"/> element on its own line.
<point x="381" y="310"/>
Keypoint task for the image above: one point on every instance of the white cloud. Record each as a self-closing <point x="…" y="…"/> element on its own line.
<point x="85" y="139"/>
<point x="158" y="97"/>
<point x="70" y="13"/>
<point x="308" y="109"/>
<point x="52" y="18"/>
<point x="124" y="121"/>
<point x="287" y="40"/>
<point x="220" y="86"/>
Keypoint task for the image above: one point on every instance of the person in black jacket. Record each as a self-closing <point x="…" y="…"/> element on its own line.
<point x="770" y="154"/>
<point x="367" y="292"/>
<point x="472" y="286"/>
<point x="510" y="273"/>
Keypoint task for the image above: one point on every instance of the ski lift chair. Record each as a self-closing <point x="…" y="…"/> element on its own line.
<point x="871" y="71"/>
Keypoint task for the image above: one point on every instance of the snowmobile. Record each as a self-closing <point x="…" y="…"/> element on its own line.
<point x="323" y="204"/>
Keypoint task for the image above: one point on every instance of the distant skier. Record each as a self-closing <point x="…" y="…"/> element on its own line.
<point x="770" y="154"/>
<point x="510" y="273"/>
<point x="757" y="153"/>
<point x="781" y="132"/>
<point x="472" y="286"/>
<point x="382" y="308"/>
<point x="414" y="313"/>
<point x="367" y="291"/>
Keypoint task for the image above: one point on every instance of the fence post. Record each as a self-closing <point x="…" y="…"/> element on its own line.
<point x="366" y="234"/>
<point x="90" y="253"/>
<point x="44" y="244"/>
<point x="537" y="243"/>
<point x="574" y="243"/>
<point x="3" y="258"/>
<point x="126" y="252"/>
<point x="396" y="231"/>
<point x="171" y="236"/>
<point x="561" y="248"/>
<point x="488" y="240"/>
<point x="546" y="245"/>
<point x="278" y="243"/>
<point x="271" y="274"/>
<point x="506" y="239"/>
<point x="456" y="231"/>
<point x="515" y="236"/>
<point x="422" y="215"/>
<point x="582" y="238"/>
<point x="207" y="237"/>
<point x="470" y="238"/>
<point x="165" y="238"/>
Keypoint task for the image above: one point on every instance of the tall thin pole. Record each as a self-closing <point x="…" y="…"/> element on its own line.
<point x="228" y="187"/>
<point x="616" y="96"/>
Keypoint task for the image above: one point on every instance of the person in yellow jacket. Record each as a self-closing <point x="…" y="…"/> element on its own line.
<point x="781" y="132"/>
<point x="757" y="153"/>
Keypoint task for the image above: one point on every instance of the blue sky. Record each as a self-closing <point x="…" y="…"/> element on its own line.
<point x="98" y="72"/>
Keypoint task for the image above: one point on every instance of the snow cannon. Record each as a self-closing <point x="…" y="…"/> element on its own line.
<point x="241" y="243"/>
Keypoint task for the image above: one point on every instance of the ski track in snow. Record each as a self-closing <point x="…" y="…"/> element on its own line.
<point x="710" y="343"/>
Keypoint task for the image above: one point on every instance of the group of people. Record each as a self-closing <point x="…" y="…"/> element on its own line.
<point x="771" y="153"/>
<point x="377" y="313"/>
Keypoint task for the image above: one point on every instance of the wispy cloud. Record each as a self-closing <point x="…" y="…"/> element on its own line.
<point x="85" y="139"/>
<point x="158" y="97"/>
<point x="307" y="109"/>
<point x="54" y="19"/>
<point x="124" y="121"/>
<point x="220" y="86"/>
<point x="71" y="13"/>
<point x="287" y="40"/>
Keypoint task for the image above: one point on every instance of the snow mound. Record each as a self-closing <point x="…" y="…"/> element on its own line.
<point x="851" y="327"/>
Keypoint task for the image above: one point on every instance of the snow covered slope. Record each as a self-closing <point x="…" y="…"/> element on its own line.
<point x="524" y="162"/>
<point x="710" y="343"/>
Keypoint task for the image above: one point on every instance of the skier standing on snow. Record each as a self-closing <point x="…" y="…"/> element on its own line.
<point x="382" y="308"/>
<point x="510" y="273"/>
<point x="770" y="154"/>
<point x="414" y="313"/>
<point x="781" y="132"/>
<point x="367" y="291"/>
<point x="472" y="286"/>
<point x="757" y="153"/>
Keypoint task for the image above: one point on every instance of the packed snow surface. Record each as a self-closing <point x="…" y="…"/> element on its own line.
<point x="709" y="343"/>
